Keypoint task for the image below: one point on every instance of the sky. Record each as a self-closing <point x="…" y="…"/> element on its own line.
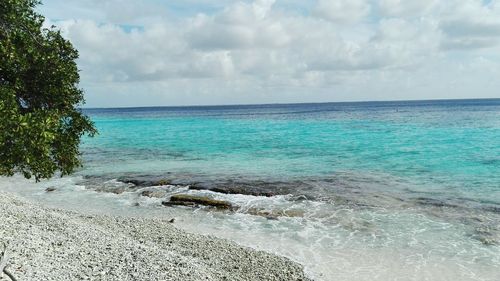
<point x="207" y="52"/>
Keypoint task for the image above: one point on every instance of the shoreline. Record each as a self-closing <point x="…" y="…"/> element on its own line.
<point x="55" y="244"/>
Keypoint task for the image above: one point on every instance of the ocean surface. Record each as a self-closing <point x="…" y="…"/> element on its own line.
<point x="404" y="190"/>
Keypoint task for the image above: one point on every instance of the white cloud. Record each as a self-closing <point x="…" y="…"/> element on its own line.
<point x="240" y="26"/>
<point x="265" y="51"/>
<point x="343" y="11"/>
<point x="471" y="24"/>
<point x="405" y="8"/>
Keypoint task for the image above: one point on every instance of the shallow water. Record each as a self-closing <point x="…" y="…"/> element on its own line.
<point x="363" y="191"/>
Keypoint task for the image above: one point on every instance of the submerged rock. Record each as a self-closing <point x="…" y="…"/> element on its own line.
<point x="163" y="182"/>
<point x="434" y="202"/>
<point x="487" y="241"/>
<point x="485" y="236"/>
<point x="193" y="201"/>
<point x="117" y="190"/>
<point x="493" y="209"/>
<point x="50" y="189"/>
<point x="153" y="193"/>
<point x="274" y="214"/>
<point x="232" y="190"/>
<point x="143" y="181"/>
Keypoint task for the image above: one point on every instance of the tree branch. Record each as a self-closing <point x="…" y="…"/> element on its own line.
<point x="9" y="274"/>
<point x="4" y="258"/>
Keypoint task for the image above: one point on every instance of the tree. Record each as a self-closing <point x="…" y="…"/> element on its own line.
<point x="41" y="122"/>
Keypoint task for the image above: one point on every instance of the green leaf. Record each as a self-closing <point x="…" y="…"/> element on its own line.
<point x="40" y="120"/>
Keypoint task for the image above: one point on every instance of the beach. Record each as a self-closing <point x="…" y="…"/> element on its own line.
<point x="54" y="244"/>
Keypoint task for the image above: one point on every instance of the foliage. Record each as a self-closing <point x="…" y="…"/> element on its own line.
<point x="40" y="120"/>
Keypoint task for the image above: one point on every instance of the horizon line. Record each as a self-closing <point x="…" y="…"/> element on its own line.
<point x="291" y="103"/>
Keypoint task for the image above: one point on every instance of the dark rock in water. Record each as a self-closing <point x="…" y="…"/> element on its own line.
<point x="171" y="221"/>
<point x="245" y="187"/>
<point x="193" y="201"/>
<point x="50" y="189"/>
<point x="487" y="241"/>
<point x="136" y="204"/>
<point x="172" y="204"/>
<point x="358" y="226"/>
<point x="434" y="202"/>
<point x="146" y="193"/>
<point x="485" y="236"/>
<point x="116" y="190"/>
<point x="492" y="209"/>
<point x="274" y="214"/>
<point x="232" y="190"/>
<point x="224" y="185"/>
<point x="153" y="193"/>
<point x="144" y="181"/>
<point x="196" y="186"/>
<point x="239" y="190"/>
<point x="163" y="182"/>
<point x="271" y="218"/>
<point x="300" y="197"/>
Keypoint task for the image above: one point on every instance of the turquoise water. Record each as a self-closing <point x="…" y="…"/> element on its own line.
<point x="362" y="191"/>
<point x="450" y="147"/>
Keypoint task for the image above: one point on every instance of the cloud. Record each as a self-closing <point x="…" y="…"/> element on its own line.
<point x="109" y="11"/>
<point x="342" y="11"/>
<point x="471" y="25"/>
<point x="240" y="26"/>
<point x="405" y="8"/>
<point x="266" y="51"/>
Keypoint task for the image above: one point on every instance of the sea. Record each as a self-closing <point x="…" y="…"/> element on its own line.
<point x="401" y="190"/>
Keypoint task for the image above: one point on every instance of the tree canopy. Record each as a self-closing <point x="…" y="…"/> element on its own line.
<point x="41" y="122"/>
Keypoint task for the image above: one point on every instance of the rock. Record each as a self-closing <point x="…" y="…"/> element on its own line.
<point x="117" y="190"/>
<point x="144" y="181"/>
<point x="146" y="193"/>
<point x="492" y="209"/>
<point x="50" y="189"/>
<point x="193" y="201"/>
<point x="485" y="236"/>
<point x="178" y="203"/>
<point x="275" y="214"/>
<point x="163" y="182"/>
<point x="434" y="202"/>
<point x="232" y="190"/>
<point x="487" y="241"/>
<point x="240" y="190"/>
<point x="153" y="193"/>
<point x="171" y="221"/>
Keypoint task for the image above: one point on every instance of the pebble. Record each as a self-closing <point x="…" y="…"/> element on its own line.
<point x="54" y="244"/>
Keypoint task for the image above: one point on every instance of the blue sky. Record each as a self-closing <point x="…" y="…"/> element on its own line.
<point x="159" y="52"/>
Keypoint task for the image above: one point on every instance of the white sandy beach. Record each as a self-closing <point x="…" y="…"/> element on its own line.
<point x="54" y="244"/>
